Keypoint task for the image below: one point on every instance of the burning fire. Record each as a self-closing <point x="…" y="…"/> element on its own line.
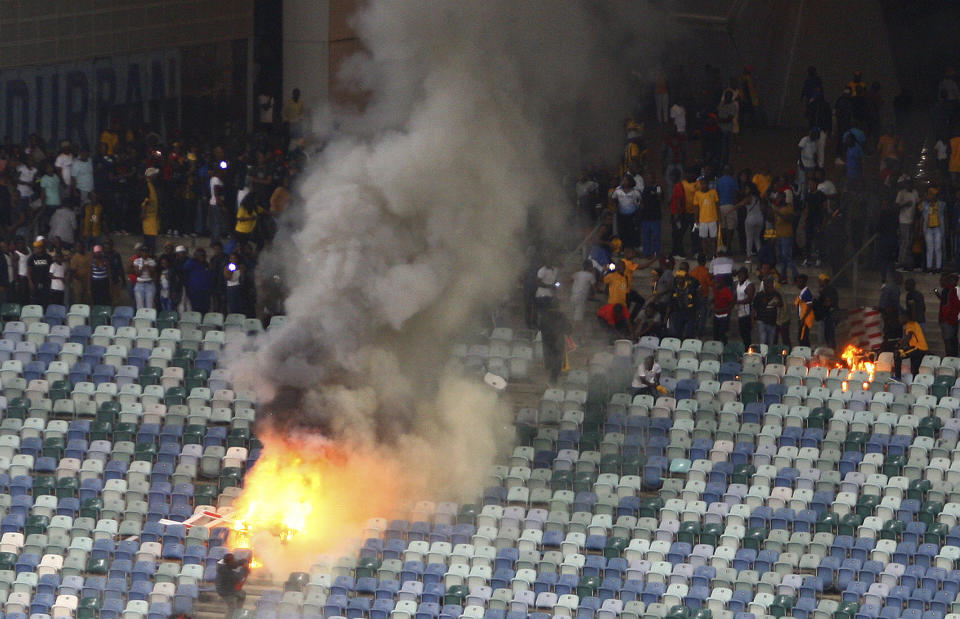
<point x="858" y="360"/>
<point x="306" y="497"/>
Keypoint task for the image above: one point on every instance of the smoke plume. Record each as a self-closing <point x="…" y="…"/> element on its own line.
<point x="414" y="217"/>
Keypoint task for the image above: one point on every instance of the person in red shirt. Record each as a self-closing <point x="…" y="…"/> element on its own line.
<point x="616" y="320"/>
<point x="678" y="203"/>
<point x="949" y="311"/>
<point x="722" y="304"/>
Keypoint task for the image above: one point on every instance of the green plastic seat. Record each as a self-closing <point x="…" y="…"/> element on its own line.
<point x="847" y="524"/>
<point x="53" y="447"/>
<point x="752" y="392"/>
<point x="60" y="390"/>
<point x="710" y="534"/>
<point x="88" y="608"/>
<point x="195" y="377"/>
<point x="126" y="431"/>
<point x="590" y="441"/>
<point x="10" y="312"/>
<point x="614" y="547"/>
<point x="205" y="494"/>
<point x="36" y="525"/>
<point x="929" y="426"/>
<point x="561" y="480"/>
<point x="16" y="412"/>
<point x="918" y="489"/>
<point x="892" y="529"/>
<point x="150" y="376"/>
<point x="583" y="481"/>
<point x="97" y="565"/>
<point x="193" y="434"/>
<point x="100" y="315"/>
<point x="754" y="538"/>
<point x="101" y="431"/>
<point x="589" y="585"/>
<point x="929" y="511"/>
<point x="91" y="508"/>
<point x="855" y="441"/>
<point x="238" y="437"/>
<point x="8" y="561"/>
<point x="174" y="396"/>
<point x="733" y="352"/>
<point x="184" y="359"/>
<point x="68" y="487"/>
<point x="367" y="567"/>
<point x="632" y="464"/>
<point x="456" y="594"/>
<point x="939" y="390"/>
<point x="827" y="523"/>
<point x="893" y="464"/>
<point x="230" y="477"/>
<point x="680" y="466"/>
<point x="610" y="464"/>
<point x="650" y="507"/>
<point x="742" y="473"/>
<point x="936" y="534"/>
<point x="678" y="612"/>
<point x="108" y="411"/>
<point x="297" y="581"/>
<point x="867" y="504"/>
<point x="689" y="532"/>
<point x="44" y="484"/>
<point x="819" y="417"/>
<point x="146" y="452"/>
<point x="846" y="610"/>
<point x="701" y="613"/>
<point x="782" y="605"/>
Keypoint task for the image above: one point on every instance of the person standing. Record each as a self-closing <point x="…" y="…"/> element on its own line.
<point x="231" y="576"/>
<point x="58" y="278"/>
<point x="293" y="115"/>
<point x="745" y="294"/>
<point x="150" y="211"/>
<point x="913" y="299"/>
<point x="553" y="332"/>
<point x="907" y="200"/>
<point x="677" y="210"/>
<point x="661" y="94"/>
<point x="38" y="274"/>
<point x="82" y="170"/>
<point x="626" y="199"/>
<point x="767" y="303"/>
<point x="783" y="222"/>
<point x="144" y="290"/>
<point x="829" y="302"/>
<point x="805" y="315"/>
<point x="683" y="302"/>
<point x="949" y="312"/>
<point x="934" y="223"/>
<point x="727" y="112"/>
<point x="706" y="202"/>
<point x="723" y="301"/>
<point x="50" y="196"/>
<point x="100" y="278"/>
<point x="650" y="217"/>
<point x="582" y="284"/>
<point x="727" y="188"/>
<point x="78" y="274"/>
<point x="753" y="222"/>
<point x="199" y="280"/>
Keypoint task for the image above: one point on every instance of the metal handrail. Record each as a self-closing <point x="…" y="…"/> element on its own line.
<point x="855" y="256"/>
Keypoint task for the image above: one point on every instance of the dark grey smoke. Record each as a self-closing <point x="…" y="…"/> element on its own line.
<point x="413" y="218"/>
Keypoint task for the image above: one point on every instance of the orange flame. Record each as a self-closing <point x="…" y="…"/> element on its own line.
<point x="858" y="360"/>
<point x="306" y="496"/>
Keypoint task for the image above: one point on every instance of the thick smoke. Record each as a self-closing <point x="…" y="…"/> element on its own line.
<point x="414" y="217"/>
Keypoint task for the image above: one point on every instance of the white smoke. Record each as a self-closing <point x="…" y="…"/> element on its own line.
<point x="414" y="217"/>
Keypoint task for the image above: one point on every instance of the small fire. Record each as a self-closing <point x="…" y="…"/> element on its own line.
<point x="858" y="360"/>
<point x="307" y="496"/>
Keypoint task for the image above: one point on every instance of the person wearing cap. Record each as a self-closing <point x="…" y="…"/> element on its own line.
<point x="150" y="211"/>
<point x="38" y="273"/>
<point x="933" y="222"/>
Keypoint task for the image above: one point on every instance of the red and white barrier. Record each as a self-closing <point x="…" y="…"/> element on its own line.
<point x="866" y="327"/>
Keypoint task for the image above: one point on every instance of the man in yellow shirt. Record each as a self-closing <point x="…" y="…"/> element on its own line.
<point x="783" y="222"/>
<point x="247" y="213"/>
<point x="955" y="160"/>
<point x="708" y="214"/>
<point x="293" y="114"/>
<point x="762" y="180"/>
<point x="913" y="345"/>
<point x="618" y="285"/>
<point x="150" y="211"/>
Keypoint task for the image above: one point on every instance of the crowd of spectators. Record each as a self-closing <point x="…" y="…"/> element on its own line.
<point x="64" y="206"/>
<point x="859" y="185"/>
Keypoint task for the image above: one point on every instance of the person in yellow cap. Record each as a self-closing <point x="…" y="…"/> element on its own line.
<point x="150" y="211"/>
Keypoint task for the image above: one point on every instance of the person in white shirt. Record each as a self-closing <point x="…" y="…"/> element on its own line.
<point x="626" y="198"/>
<point x="58" y="278"/>
<point x="907" y="200"/>
<point x="63" y="224"/>
<point x="810" y="158"/>
<point x="82" y="170"/>
<point x="26" y="176"/>
<point x="547" y="285"/>
<point x="647" y="377"/>
<point x="144" y="267"/>
<point x="215" y="212"/>
<point x="582" y="284"/>
<point x="678" y="114"/>
<point x="64" y="164"/>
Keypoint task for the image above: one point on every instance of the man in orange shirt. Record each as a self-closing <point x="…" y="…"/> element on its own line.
<point x="702" y="274"/>
<point x="690" y="210"/>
